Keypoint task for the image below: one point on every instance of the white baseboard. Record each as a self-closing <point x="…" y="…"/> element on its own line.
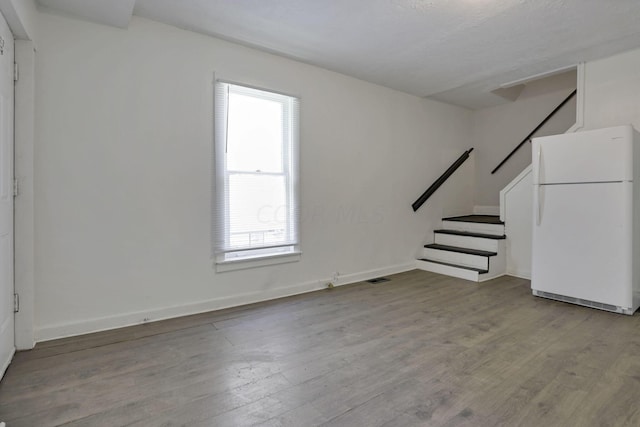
<point x="87" y="326"/>
<point x="494" y="276"/>
<point x="520" y="274"/>
<point x="5" y="364"/>
<point x="372" y="274"/>
<point x="486" y="210"/>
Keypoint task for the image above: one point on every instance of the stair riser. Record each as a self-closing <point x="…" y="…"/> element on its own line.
<point x="490" y="245"/>
<point x="497" y="266"/>
<point x="458" y="258"/>
<point x="447" y="270"/>
<point x="474" y="227"/>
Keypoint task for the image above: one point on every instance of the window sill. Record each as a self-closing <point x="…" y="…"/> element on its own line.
<point x="242" y="264"/>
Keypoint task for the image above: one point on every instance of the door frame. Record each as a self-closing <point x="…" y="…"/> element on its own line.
<point x="22" y="17"/>
<point x="8" y="347"/>
<point x="24" y="217"/>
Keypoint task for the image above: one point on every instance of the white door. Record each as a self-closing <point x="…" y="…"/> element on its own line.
<point x="582" y="241"/>
<point x="6" y="196"/>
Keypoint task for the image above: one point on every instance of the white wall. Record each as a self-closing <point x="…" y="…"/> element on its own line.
<point x="497" y="131"/>
<point x="122" y="174"/>
<point x="612" y="91"/>
<point x="516" y="210"/>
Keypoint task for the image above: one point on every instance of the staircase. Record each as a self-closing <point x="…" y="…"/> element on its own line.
<point x="470" y="247"/>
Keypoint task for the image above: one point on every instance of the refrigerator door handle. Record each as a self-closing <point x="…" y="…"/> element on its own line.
<point x="539" y="189"/>
<point x="539" y="205"/>
<point x="539" y="161"/>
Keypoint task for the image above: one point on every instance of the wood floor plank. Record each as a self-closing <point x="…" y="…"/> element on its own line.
<point x="422" y="349"/>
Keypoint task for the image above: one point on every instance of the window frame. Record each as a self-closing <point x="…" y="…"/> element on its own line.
<point x="223" y="253"/>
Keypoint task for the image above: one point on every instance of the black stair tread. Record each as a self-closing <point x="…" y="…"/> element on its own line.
<point x="460" y="250"/>
<point x="479" y="270"/>
<point x="470" y="234"/>
<point x="482" y="219"/>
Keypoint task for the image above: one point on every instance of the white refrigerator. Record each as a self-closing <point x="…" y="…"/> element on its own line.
<point x="586" y="218"/>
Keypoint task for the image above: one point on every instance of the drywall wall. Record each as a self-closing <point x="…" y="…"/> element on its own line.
<point x="516" y="210"/>
<point x="123" y="166"/>
<point x="612" y="88"/>
<point x="498" y="130"/>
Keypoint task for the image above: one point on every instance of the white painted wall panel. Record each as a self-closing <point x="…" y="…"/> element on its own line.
<point x="612" y="86"/>
<point x="518" y="226"/>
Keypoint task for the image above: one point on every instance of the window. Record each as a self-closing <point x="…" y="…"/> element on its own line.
<point x="256" y="206"/>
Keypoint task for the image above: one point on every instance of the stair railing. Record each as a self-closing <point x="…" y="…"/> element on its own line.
<point x="441" y="180"/>
<point x="528" y="137"/>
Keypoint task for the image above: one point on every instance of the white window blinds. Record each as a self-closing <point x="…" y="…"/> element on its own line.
<point x="255" y="203"/>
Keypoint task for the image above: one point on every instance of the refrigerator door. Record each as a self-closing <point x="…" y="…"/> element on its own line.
<point x="603" y="155"/>
<point x="582" y="238"/>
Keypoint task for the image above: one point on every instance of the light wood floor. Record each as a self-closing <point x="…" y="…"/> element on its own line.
<point x="422" y="349"/>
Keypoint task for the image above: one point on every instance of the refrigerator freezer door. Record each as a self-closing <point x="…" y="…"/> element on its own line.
<point x="603" y="155"/>
<point x="582" y="237"/>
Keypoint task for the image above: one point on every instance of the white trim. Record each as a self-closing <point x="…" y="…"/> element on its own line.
<point x="24" y="246"/>
<point x="509" y="187"/>
<point x="6" y="363"/>
<point x="580" y="87"/>
<point x="520" y="274"/>
<point x="538" y="76"/>
<point x="371" y="274"/>
<point x="261" y="88"/>
<point x="487" y="276"/>
<point x="63" y="330"/>
<point x="244" y="263"/>
<point x="486" y="210"/>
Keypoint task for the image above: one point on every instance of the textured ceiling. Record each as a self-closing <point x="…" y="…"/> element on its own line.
<point x="109" y="12"/>
<point x="456" y="51"/>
